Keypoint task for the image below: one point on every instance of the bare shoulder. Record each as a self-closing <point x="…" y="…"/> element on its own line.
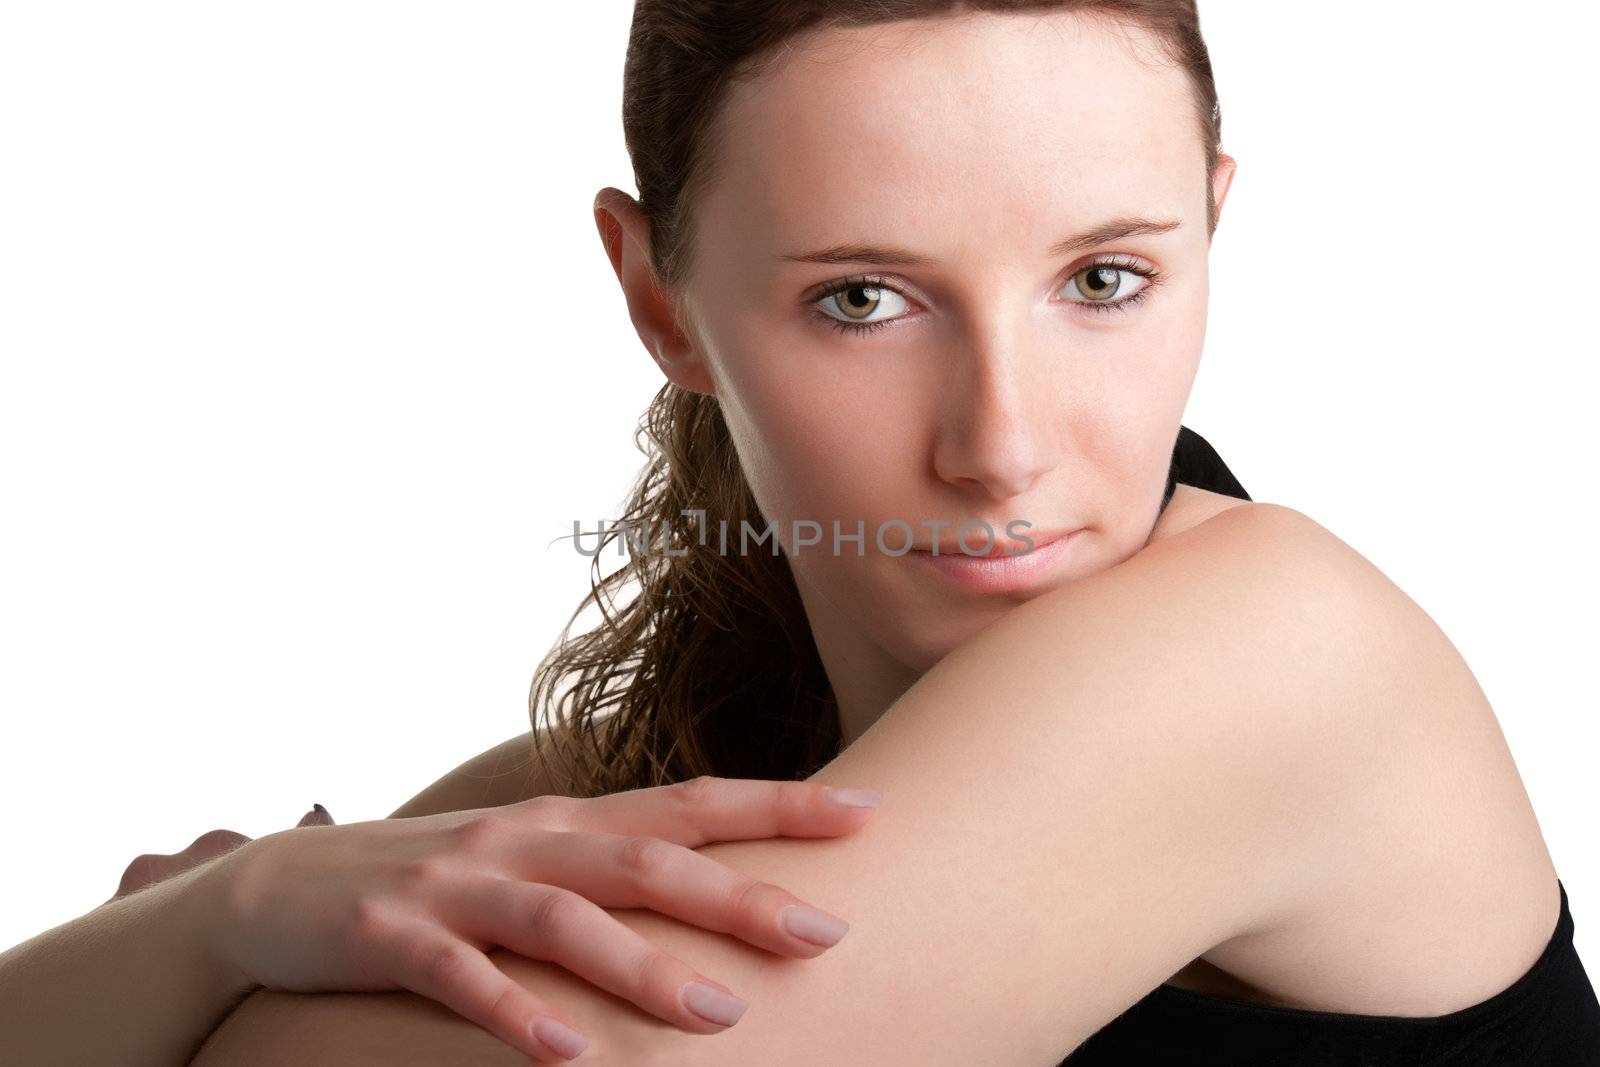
<point x="1281" y="565"/>
<point x="1284" y="554"/>
<point x="1133" y="801"/>
<point x="505" y="774"/>
<point x="1437" y="822"/>
<point x="1191" y="505"/>
<point x="1228" y="744"/>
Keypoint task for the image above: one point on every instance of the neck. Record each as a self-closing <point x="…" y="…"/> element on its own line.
<point x="865" y="679"/>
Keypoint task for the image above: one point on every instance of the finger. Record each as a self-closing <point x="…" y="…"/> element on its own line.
<point x="317" y="816"/>
<point x="617" y="871"/>
<point x="709" y="808"/>
<point x="544" y="922"/>
<point x="436" y="965"/>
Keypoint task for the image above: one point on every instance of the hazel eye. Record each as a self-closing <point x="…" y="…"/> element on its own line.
<point x="1104" y="283"/>
<point x="856" y="302"/>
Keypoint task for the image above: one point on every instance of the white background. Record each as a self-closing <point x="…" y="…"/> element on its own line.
<point x="309" y="350"/>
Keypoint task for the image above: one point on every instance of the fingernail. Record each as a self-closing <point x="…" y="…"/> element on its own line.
<point x="320" y="810"/>
<point x="853" y="798"/>
<point x="713" y="1005"/>
<point x="809" y="924"/>
<point x="566" y="1041"/>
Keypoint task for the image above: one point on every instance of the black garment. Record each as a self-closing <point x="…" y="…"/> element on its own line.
<point x="1195" y="462"/>
<point x="1549" y="1017"/>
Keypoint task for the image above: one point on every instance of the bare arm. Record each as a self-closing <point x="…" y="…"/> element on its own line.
<point x="503" y="774"/>
<point x="131" y="982"/>
<point x="134" y="981"/>
<point x="1109" y="781"/>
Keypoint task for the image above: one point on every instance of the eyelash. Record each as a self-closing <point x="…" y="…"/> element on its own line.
<point x="1101" y="307"/>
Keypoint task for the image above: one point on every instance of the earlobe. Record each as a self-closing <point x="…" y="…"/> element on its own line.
<point x="625" y="235"/>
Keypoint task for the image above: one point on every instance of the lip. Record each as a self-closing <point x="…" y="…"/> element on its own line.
<point x="998" y="572"/>
<point x="1001" y="546"/>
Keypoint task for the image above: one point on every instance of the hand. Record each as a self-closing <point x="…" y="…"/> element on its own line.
<point x="151" y="867"/>
<point x="416" y="903"/>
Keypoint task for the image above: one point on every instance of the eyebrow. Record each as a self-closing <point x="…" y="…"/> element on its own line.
<point x="1111" y="230"/>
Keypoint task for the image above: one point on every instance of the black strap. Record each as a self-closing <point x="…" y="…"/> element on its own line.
<point x="1195" y="462"/>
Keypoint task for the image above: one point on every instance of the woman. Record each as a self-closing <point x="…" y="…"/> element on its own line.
<point x="1195" y="745"/>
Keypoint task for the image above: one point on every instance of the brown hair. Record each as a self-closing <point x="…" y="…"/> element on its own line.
<point x="711" y="668"/>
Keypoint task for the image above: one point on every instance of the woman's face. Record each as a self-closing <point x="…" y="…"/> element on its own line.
<point x="983" y="369"/>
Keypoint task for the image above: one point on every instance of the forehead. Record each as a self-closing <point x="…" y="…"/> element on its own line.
<point x="956" y="125"/>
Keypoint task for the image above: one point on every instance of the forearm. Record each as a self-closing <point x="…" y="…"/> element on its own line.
<point x="134" y="982"/>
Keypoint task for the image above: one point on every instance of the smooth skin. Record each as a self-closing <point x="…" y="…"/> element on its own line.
<point x="1209" y="748"/>
<point x="1159" y="787"/>
<point x="412" y="903"/>
<point x="150" y="868"/>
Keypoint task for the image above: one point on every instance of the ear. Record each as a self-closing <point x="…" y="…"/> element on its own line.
<point x="625" y="233"/>
<point x="1222" y="179"/>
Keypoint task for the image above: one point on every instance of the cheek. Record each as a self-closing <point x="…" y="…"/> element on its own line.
<point x="817" y="440"/>
<point x="1185" y="333"/>
<point x="806" y="456"/>
<point x="1145" y="371"/>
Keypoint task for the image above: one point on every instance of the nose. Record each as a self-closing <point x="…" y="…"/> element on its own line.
<point x="996" y="433"/>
